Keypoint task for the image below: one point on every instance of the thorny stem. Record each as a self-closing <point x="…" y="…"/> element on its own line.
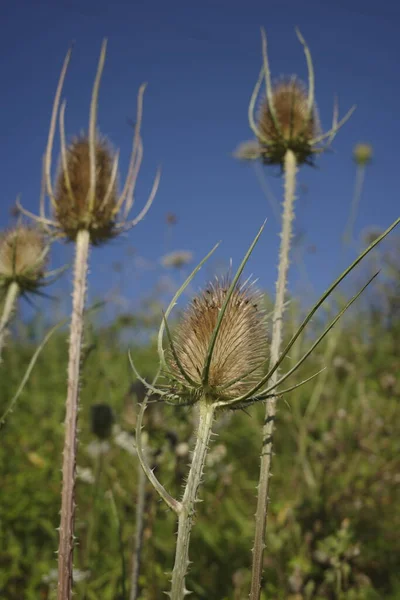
<point x="66" y="541"/>
<point x="137" y="552"/>
<point x="290" y="169"/>
<point x="9" y="305"/>
<point x="186" y="513"/>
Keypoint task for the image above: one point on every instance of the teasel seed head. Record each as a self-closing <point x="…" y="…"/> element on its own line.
<point x="23" y="258"/>
<point x="73" y="209"/>
<point x="84" y="193"/>
<point x="288" y="118"/>
<point x="240" y="348"/>
<point x="294" y="127"/>
<point x="362" y="154"/>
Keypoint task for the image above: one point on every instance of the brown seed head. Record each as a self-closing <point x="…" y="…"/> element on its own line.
<point x="73" y="211"/>
<point x="294" y="129"/>
<point x="23" y="257"/>
<point x="240" y="346"/>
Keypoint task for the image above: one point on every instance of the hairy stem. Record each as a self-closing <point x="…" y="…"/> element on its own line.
<point x="290" y="169"/>
<point x="66" y="540"/>
<point x="186" y="513"/>
<point x="9" y="305"/>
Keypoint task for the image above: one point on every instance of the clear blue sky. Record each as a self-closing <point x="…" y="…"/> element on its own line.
<point x="200" y="60"/>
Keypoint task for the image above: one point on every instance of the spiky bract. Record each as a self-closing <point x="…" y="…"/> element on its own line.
<point x="240" y="348"/>
<point x="294" y="127"/>
<point x="288" y="119"/>
<point x="23" y="258"/>
<point x="73" y="210"/>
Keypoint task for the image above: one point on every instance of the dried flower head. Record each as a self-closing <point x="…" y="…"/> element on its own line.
<point x="74" y="181"/>
<point x="23" y="258"/>
<point x="293" y="128"/>
<point x="240" y="347"/>
<point x="288" y="118"/>
<point x="85" y="194"/>
<point x="362" y="154"/>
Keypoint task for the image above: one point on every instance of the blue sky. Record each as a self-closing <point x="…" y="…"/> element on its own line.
<point x="200" y="60"/>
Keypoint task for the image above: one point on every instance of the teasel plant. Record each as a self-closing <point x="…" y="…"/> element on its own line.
<point x="216" y="359"/>
<point x="87" y="211"/>
<point x="288" y="134"/>
<point x="24" y="254"/>
<point x="362" y="156"/>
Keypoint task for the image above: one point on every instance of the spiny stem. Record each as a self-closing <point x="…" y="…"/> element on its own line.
<point x="66" y="543"/>
<point x="9" y="305"/>
<point x="186" y="514"/>
<point x="290" y="169"/>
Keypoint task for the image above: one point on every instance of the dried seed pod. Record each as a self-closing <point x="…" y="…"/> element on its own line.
<point x="288" y="119"/>
<point x="240" y="348"/>
<point x="74" y="207"/>
<point x="292" y="128"/>
<point x="83" y="196"/>
<point x="23" y="257"/>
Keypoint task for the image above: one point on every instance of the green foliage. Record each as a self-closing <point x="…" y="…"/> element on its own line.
<point x="335" y="504"/>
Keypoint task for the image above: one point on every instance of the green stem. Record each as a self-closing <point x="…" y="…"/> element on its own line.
<point x="358" y="187"/>
<point x="186" y="513"/>
<point x="66" y="539"/>
<point x="137" y="553"/>
<point x="9" y="305"/>
<point x="290" y="169"/>
<point x="92" y="519"/>
<point x="118" y="526"/>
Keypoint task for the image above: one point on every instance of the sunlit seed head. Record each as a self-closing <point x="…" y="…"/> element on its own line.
<point x="73" y="211"/>
<point x="241" y="344"/>
<point x="23" y="257"/>
<point x="362" y="154"/>
<point x="295" y="128"/>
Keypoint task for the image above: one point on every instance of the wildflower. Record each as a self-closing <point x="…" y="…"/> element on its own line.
<point x="292" y="127"/>
<point x="240" y="346"/>
<point x="288" y="118"/>
<point x="23" y="258"/>
<point x="84" y="196"/>
<point x="72" y="209"/>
